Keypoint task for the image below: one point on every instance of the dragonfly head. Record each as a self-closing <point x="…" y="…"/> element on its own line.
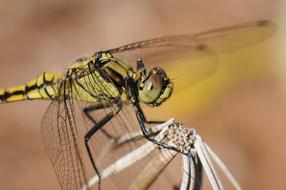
<point x="155" y="88"/>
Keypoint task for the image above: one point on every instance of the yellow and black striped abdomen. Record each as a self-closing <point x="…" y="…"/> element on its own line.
<point x="44" y="86"/>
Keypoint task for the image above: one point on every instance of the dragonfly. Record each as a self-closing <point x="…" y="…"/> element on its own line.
<point x="100" y="98"/>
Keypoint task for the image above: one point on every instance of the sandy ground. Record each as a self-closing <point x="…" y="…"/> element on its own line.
<point x="246" y="125"/>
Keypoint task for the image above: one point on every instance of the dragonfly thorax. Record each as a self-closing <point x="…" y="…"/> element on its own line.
<point x="155" y="88"/>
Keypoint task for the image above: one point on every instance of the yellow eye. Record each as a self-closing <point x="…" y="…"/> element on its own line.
<point x="152" y="89"/>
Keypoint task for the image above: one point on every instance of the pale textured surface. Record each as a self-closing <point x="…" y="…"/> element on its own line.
<point x="35" y="36"/>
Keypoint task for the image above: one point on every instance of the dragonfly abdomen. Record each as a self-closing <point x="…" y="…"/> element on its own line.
<point x="44" y="86"/>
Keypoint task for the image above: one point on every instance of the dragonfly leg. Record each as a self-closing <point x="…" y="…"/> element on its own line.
<point x="92" y="108"/>
<point x="95" y="128"/>
<point x="142" y="121"/>
<point x="132" y="95"/>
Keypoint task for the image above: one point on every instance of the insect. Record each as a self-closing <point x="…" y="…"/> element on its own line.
<point x="99" y="98"/>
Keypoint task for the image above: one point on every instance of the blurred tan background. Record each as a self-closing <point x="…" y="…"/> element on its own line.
<point x="240" y="111"/>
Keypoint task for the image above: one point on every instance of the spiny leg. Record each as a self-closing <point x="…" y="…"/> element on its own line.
<point x="142" y="121"/>
<point x="131" y="91"/>
<point x="95" y="128"/>
<point x="87" y="110"/>
<point x="87" y="137"/>
<point x="137" y="135"/>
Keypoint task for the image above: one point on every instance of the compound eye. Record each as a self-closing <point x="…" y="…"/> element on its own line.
<point x="152" y="89"/>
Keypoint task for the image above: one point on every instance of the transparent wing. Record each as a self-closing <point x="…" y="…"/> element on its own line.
<point x="220" y="40"/>
<point x="106" y="146"/>
<point x="60" y="138"/>
<point x="193" y="57"/>
<point x="65" y="125"/>
<point x="190" y="58"/>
